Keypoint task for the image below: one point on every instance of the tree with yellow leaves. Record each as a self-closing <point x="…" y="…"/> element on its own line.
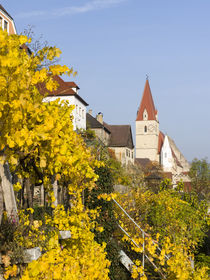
<point x="38" y="142"/>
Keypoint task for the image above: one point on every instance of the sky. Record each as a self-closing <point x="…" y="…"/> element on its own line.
<point x="114" y="44"/>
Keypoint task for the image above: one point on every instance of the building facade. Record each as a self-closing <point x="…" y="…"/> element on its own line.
<point x="153" y="145"/>
<point x="6" y="21"/>
<point x="68" y="91"/>
<point x="116" y="137"/>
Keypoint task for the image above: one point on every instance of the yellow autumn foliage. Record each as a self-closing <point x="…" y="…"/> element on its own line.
<point x="171" y="251"/>
<point x="38" y="141"/>
<point x="79" y="257"/>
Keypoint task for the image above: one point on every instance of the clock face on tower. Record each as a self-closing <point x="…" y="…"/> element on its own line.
<point x="151" y="128"/>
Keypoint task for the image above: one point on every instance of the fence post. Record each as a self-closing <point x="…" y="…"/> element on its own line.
<point x="55" y="191"/>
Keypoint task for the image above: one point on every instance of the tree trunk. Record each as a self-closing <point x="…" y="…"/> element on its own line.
<point x="1" y="203"/>
<point x="29" y="193"/>
<point x="8" y="192"/>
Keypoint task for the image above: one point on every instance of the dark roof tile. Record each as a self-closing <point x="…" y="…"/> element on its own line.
<point x="94" y="123"/>
<point x="121" y="136"/>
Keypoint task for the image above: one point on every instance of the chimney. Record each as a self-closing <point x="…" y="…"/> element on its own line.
<point x="99" y="117"/>
<point x="90" y="111"/>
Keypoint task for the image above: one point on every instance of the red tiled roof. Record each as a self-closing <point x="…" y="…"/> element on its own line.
<point x="63" y="89"/>
<point x="72" y="85"/>
<point x="147" y="103"/>
<point x="62" y="92"/>
<point x="160" y="141"/>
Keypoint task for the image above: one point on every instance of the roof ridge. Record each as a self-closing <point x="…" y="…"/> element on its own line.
<point x="119" y="125"/>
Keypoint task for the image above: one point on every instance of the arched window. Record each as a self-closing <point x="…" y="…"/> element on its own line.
<point x="145" y="128"/>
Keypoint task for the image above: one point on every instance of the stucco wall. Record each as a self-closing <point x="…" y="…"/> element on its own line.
<point x="102" y="135"/>
<point x="122" y="155"/>
<point x="79" y="112"/>
<point x="147" y="141"/>
<point x="11" y="27"/>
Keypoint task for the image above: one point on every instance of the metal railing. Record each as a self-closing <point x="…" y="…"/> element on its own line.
<point x="144" y="255"/>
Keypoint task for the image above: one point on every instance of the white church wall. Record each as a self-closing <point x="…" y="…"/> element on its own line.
<point x="167" y="160"/>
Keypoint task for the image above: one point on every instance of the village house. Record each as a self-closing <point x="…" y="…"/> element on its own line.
<point x="65" y="91"/>
<point x="68" y="91"/>
<point x="6" y="21"/>
<point x="116" y="137"/>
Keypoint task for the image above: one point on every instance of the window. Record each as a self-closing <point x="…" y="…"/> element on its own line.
<point x="5" y="25"/>
<point x="127" y="152"/>
<point x="80" y="111"/>
<point x="145" y="115"/>
<point x="145" y="129"/>
<point x="132" y="154"/>
<point x="1" y="20"/>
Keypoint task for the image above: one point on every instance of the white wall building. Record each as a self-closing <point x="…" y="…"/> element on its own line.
<point x="6" y="21"/>
<point x="69" y="91"/>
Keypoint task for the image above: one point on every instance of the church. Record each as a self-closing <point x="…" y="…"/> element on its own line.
<point x="152" y="145"/>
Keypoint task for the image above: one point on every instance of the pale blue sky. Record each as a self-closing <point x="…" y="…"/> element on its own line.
<point x="113" y="44"/>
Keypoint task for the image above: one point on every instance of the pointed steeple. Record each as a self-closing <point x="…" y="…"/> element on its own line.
<point x="147" y="108"/>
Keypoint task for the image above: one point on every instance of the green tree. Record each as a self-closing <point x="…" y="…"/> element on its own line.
<point x="200" y="178"/>
<point x="111" y="173"/>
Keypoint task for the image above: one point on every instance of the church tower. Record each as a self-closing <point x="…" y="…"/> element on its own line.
<point x="147" y="127"/>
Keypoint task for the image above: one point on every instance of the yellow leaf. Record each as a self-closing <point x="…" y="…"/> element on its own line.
<point x="43" y="162"/>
